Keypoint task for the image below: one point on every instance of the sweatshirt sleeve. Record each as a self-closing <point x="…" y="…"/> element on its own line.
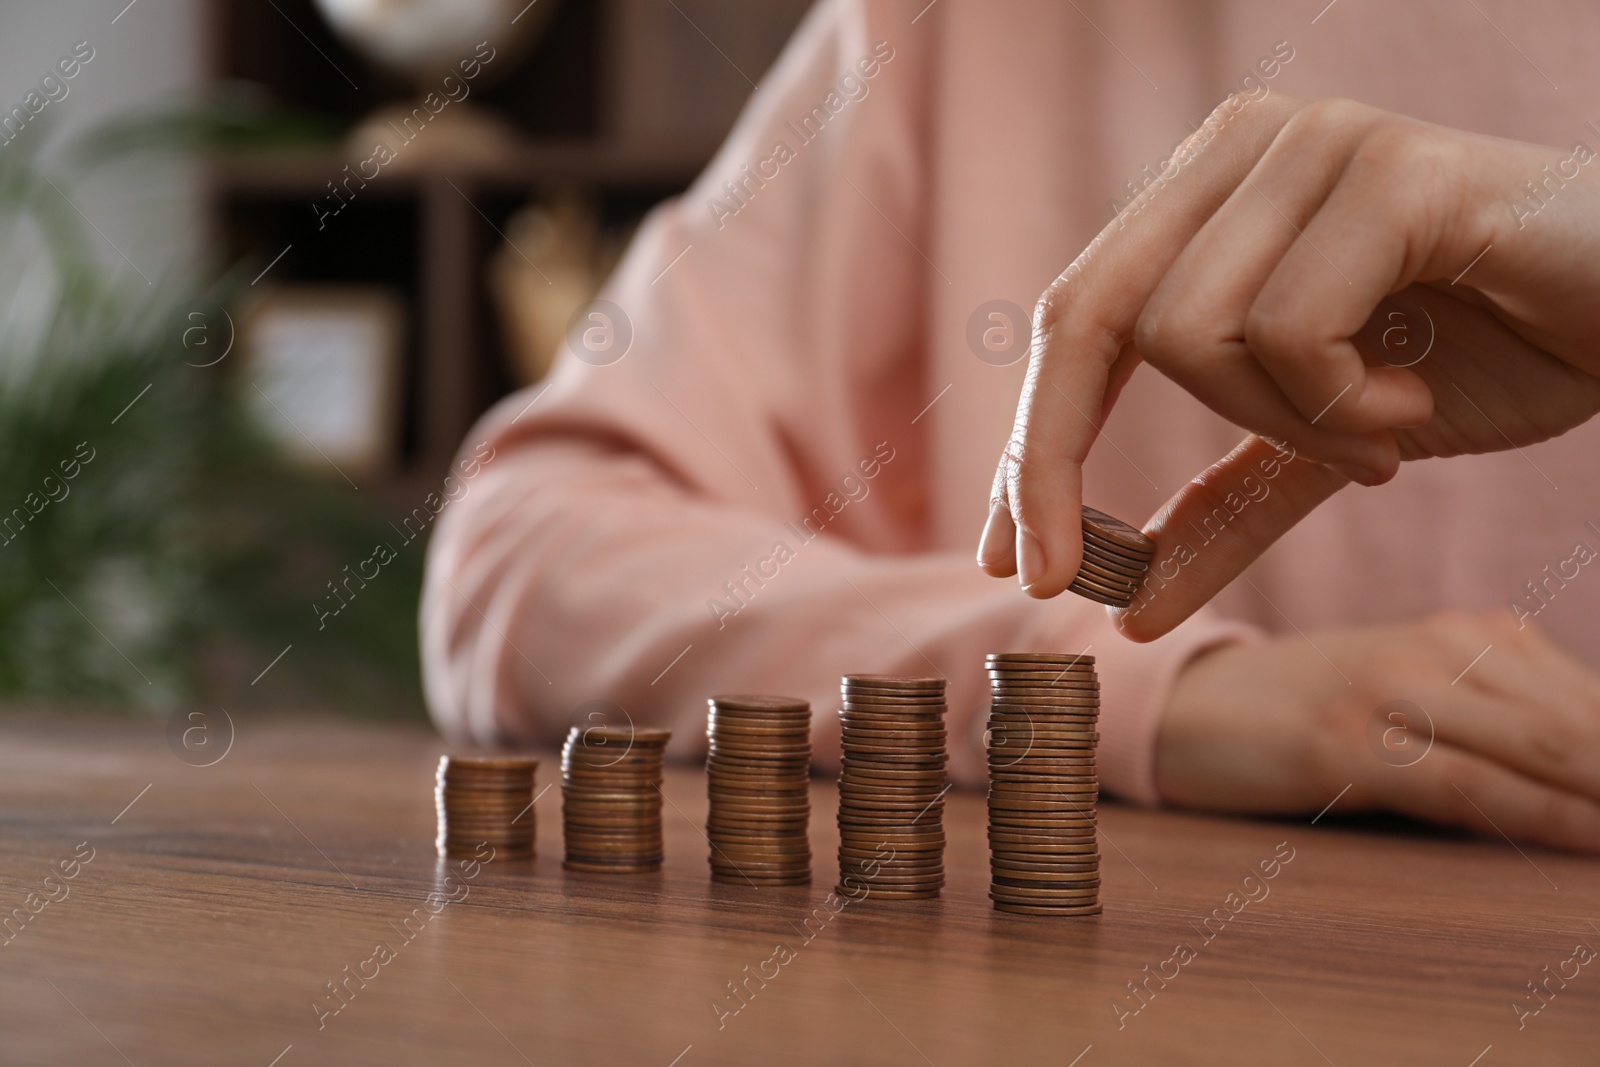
<point x="722" y="487"/>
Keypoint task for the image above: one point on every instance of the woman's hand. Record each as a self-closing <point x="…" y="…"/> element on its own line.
<point x="1507" y="745"/>
<point x="1359" y="286"/>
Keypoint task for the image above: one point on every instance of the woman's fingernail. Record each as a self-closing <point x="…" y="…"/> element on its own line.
<point x="1030" y="558"/>
<point x="995" y="542"/>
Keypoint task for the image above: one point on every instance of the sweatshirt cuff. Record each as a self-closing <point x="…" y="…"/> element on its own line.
<point x="1135" y="683"/>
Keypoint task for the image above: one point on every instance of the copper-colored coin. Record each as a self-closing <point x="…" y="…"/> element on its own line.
<point x="1021" y="868"/>
<point x="1077" y="741"/>
<point x="1006" y="691"/>
<point x="724" y="813"/>
<point x="760" y="703"/>
<point x="788" y="781"/>
<point x="787" y="759"/>
<point x="907" y="876"/>
<point x="1085" y="830"/>
<point x="890" y="835"/>
<point x="1053" y="803"/>
<point x="1039" y="898"/>
<point x="733" y="858"/>
<point x="743" y="826"/>
<point x="1112" y="570"/>
<point x="1110" y="587"/>
<point x="1066" y="720"/>
<point x="731" y="877"/>
<point x="1031" y="822"/>
<point x="1034" y="769"/>
<point x="1000" y="658"/>
<point x="1045" y="676"/>
<point x="1055" y="732"/>
<point x="1098" y="547"/>
<point x="1000" y="836"/>
<point x="896" y="778"/>
<point x="1059" y="743"/>
<point x="1057" y="881"/>
<point x="867" y="709"/>
<point x="1010" y="784"/>
<point x="885" y="744"/>
<point x="1023" y="909"/>
<point x="617" y="797"/>
<point x="1057" y="802"/>
<point x="744" y="766"/>
<point x="506" y="807"/>
<point x="593" y="867"/>
<point x="767" y="796"/>
<point x="1064" y="667"/>
<point x="888" y="875"/>
<point x="883" y="799"/>
<point x="1046" y="704"/>
<point x="893" y="775"/>
<point x="894" y="681"/>
<point x="1073" y="853"/>
<point x="752" y="722"/>
<point x="896" y="753"/>
<point x="932" y="840"/>
<point x="871" y="812"/>
<point x="639" y="735"/>
<point x="471" y="764"/>
<point x="612" y="780"/>
<point x="1008" y="739"/>
<point x="858" y="771"/>
<point x="863" y="895"/>
<point x="1114" y="531"/>
<point x="1089" y="592"/>
<point x="851" y="726"/>
<point x="762" y="872"/>
<point x="878" y="871"/>
<point x="746" y="826"/>
<point x="469" y="789"/>
<point x="758" y="771"/>
<point x="793" y="846"/>
<point x="899" y="716"/>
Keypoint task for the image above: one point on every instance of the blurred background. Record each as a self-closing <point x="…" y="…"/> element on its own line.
<point x="262" y="262"/>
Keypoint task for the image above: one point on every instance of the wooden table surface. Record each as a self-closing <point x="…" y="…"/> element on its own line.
<point x="221" y="901"/>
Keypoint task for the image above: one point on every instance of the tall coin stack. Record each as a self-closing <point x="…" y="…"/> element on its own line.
<point x="611" y="798"/>
<point x="1044" y="857"/>
<point x="758" y="779"/>
<point x="485" y="800"/>
<point x="891" y="787"/>
<point x="1115" y="558"/>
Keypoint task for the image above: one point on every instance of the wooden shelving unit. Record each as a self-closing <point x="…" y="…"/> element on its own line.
<point x="426" y="230"/>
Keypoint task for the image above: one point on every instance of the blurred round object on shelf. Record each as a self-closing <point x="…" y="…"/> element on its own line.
<point x="427" y="39"/>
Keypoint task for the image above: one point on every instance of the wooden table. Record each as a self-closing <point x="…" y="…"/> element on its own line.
<point x="221" y="901"/>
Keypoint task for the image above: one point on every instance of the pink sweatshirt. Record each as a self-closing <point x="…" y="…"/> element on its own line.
<point x="784" y="477"/>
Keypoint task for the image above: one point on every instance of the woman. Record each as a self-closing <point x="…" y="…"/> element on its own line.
<point x="763" y="460"/>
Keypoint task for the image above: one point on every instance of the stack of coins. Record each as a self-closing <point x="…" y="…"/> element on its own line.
<point x="1115" y="558"/>
<point x="758" y="779"/>
<point x="611" y="798"/>
<point x="485" y="800"/>
<point x="891" y="787"/>
<point x="1044" y="859"/>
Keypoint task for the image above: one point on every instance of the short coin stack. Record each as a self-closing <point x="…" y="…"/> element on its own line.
<point x="891" y="787"/>
<point x="1044" y="858"/>
<point x="611" y="798"/>
<point x="1115" y="558"/>
<point x="759" y="784"/>
<point x="485" y="800"/>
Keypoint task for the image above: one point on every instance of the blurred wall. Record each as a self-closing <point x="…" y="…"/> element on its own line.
<point x="150" y="51"/>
